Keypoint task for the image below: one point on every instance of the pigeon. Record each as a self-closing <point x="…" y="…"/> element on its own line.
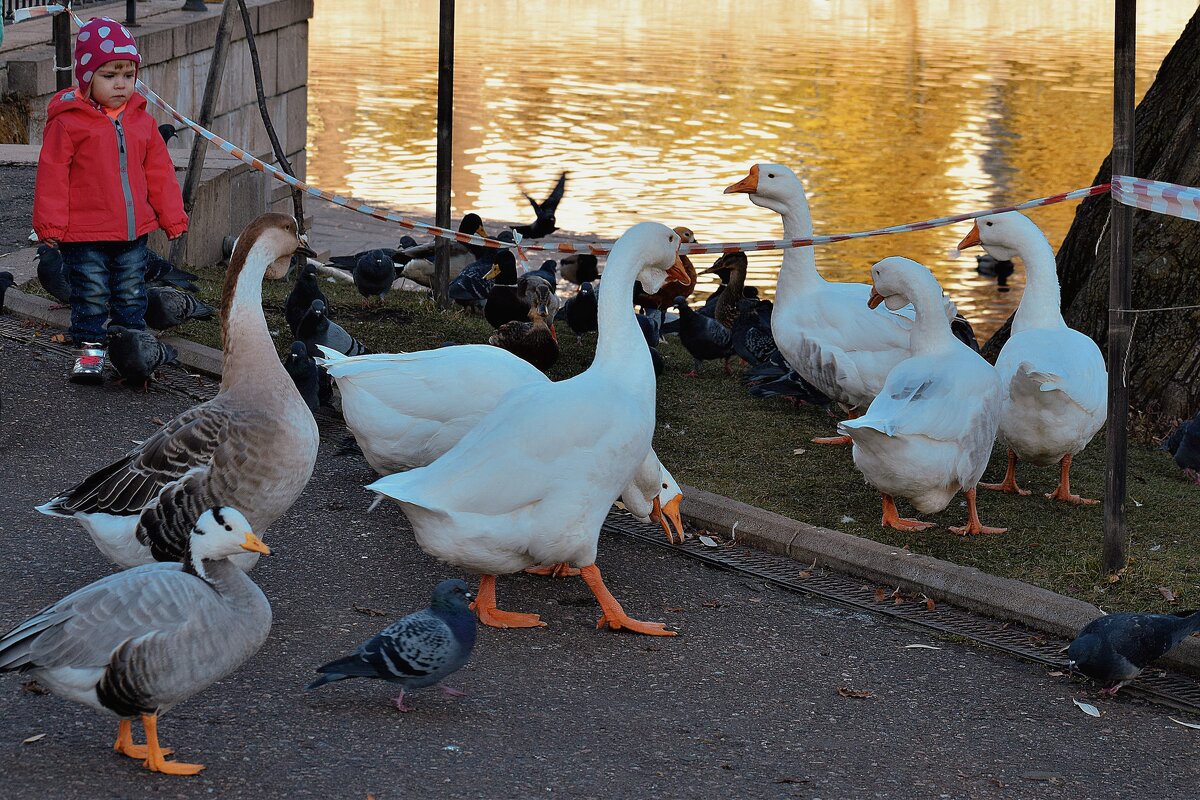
<point x="6" y="280"/>
<point x="416" y="651"/>
<point x="651" y="325"/>
<point x="396" y="254"/>
<point x="1115" y="648"/>
<point x="579" y="268"/>
<point x="52" y="273"/>
<point x="135" y="354"/>
<point x="544" y="224"/>
<point x="304" y="291"/>
<point x="581" y="311"/>
<point x="168" y="307"/>
<point x="751" y="335"/>
<point x="160" y="272"/>
<point x="305" y="374"/>
<point x="168" y="132"/>
<point x="373" y="274"/>
<point x="703" y="337"/>
<point x="316" y="328"/>
<point x="1184" y="446"/>
<point x="546" y="271"/>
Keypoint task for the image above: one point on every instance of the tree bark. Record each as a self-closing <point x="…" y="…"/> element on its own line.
<point x="1163" y="369"/>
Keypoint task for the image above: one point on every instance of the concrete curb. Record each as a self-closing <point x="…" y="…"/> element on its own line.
<point x="966" y="587"/>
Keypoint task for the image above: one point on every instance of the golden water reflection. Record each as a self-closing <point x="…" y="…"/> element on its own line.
<point x="891" y="111"/>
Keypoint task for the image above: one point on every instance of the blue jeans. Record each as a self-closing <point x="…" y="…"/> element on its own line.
<point x="105" y="276"/>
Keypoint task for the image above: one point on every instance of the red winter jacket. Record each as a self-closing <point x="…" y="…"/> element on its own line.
<point x="104" y="180"/>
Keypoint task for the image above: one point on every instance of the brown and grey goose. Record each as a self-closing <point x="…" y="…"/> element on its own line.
<point x="253" y="446"/>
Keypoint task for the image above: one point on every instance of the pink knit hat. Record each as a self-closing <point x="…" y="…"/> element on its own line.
<point x="101" y="40"/>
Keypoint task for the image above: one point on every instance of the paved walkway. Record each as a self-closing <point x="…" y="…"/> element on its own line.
<point x="744" y="703"/>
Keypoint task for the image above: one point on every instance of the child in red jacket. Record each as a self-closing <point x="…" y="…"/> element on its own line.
<point x="104" y="181"/>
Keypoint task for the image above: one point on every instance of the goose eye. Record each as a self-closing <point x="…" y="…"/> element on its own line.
<point x="664" y="486"/>
<point x="770" y="174"/>
<point x="228" y="527"/>
<point x="989" y="224"/>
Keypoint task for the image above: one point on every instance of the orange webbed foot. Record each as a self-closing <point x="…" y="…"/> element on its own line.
<point x="485" y="608"/>
<point x="832" y="440"/>
<point x="1065" y="496"/>
<point x="973" y="525"/>
<point x="614" y="616"/>
<point x="561" y="570"/>
<point x="892" y="518"/>
<point x="125" y="746"/>
<point x="1006" y="486"/>
<point x="155" y="755"/>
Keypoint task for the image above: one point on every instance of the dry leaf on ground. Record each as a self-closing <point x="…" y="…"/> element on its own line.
<point x="1184" y="724"/>
<point x="33" y="739"/>
<point x="846" y="691"/>
<point x="370" y="612"/>
<point x="1167" y="594"/>
<point x="1087" y="708"/>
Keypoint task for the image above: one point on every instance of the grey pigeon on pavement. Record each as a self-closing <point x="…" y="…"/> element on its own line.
<point x="6" y="280"/>
<point x="168" y="307"/>
<point x="135" y="355"/>
<point x="1184" y="446"/>
<point x="316" y="328"/>
<point x="305" y="374"/>
<point x="52" y="273"/>
<point x="1115" y="648"/>
<point x="416" y="651"/>
<point x="304" y="291"/>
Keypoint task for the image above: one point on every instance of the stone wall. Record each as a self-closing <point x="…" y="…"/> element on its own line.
<point x="176" y="48"/>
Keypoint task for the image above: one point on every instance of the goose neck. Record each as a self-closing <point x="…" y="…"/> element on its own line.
<point x="620" y="345"/>
<point x="248" y="351"/>
<point x="798" y="270"/>
<point x="1041" y="304"/>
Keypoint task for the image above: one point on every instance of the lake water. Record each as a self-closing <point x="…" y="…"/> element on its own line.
<point x="890" y="112"/>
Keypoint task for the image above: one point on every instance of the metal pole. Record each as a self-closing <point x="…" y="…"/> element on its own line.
<point x="445" y="153"/>
<point x="212" y="88"/>
<point x="60" y="32"/>
<point x="1120" y="291"/>
<point x="131" y="13"/>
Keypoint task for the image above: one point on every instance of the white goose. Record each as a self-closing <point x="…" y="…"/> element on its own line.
<point x="1055" y="383"/>
<point x="497" y="503"/>
<point x="407" y="409"/>
<point x="929" y="432"/>
<point x="825" y="329"/>
<point x="253" y="446"/>
<point x="141" y="641"/>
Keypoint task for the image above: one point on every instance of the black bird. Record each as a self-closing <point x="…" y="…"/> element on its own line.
<point x="544" y="224"/>
<point x="505" y="302"/>
<point x="963" y="331"/>
<point x="168" y="132"/>
<point x="581" y="311"/>
<point x="305" y="374"/>
<point x="471" y="286"/>
<point x="416" y="651"/>
<point x="396" y="254"/>
<point x="168" y="307"/>
<point x="6" y="280"/>
<point x="703" y="337"/>
<point x="579" y="268"/>
<point x="373" y="274"/>
<point x="300" y="298"/>
<point x="547" y="272"/>
<point x="1115" y="648"/>
<point x="160" y="272"/>
<point x="135" y="354"/>
<point x="995" y="268"/>
<point x="752" y="337"/>
<point x="651" y="325"/>
<point x="52" y="273"/>
<point x="534" y="341"/>
<point x="316" y="328"/>
<point x="1184" y="446"/>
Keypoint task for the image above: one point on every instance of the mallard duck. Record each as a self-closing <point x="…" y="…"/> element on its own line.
<point x="471" y="287"/>
<point x="253" y="446"/>
<point x="683" y="287"/>
<point x="512" y="303"/>
<point x="579" y="268"/>
<point x="929" y="432"/>
<point x="1055" y="383"/>
<point x="825" y="329"/>
<point x="603" y="421"/>
<point x="420" y="266"/>
<point x="535" y="341"/>
<point x="141" y="641"/>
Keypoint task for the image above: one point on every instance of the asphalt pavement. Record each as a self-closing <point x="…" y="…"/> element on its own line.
<point x="744" y="703"/>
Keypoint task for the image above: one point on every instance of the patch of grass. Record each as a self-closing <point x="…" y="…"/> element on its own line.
<point x="713" y="435"/>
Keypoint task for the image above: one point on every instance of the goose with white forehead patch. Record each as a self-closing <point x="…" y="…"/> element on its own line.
<point x="824" y="328"/>
<point x="465" y="507"/>
<point x="1055" y="394"/>
<point x="137" y="643"/>
<point x="929" y="431"/>
<point x="253" y="446"/>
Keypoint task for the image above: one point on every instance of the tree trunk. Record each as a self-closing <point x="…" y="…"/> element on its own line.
<point x="1164" y="360"/>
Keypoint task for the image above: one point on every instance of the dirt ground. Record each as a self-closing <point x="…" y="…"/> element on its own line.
<point x="15" y="211"/>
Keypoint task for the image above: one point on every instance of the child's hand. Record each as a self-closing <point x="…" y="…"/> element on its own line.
<point x="50" y="242"/>
<point x="176" y="236"/>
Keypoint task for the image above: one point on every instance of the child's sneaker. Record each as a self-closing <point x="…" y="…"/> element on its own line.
<point x="89" y="364"/>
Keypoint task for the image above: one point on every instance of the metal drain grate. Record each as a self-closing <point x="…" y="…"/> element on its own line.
<point x="1160" y="686"/>
<point x="1166" y="688"/>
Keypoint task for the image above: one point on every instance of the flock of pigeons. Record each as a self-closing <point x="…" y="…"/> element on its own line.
<point x="179" y="513"/>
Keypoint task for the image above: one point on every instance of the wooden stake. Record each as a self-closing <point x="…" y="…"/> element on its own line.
<point x="445" y="153"/>
<point x="1116" y="539"/>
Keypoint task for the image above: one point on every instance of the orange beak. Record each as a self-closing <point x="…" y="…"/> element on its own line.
<point x="660" y="514"/>
<point x="971" y="239"/>
<point x="875" y="299"/>
<point x="748" y="184"/>
<point x="679" y="273"/>
<point x="255" y="545"/>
